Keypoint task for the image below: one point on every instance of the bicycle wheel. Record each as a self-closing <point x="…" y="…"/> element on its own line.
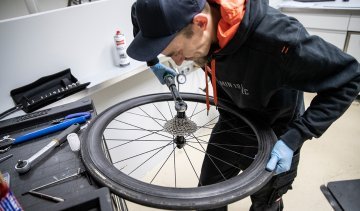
<point x="146" y="163"/>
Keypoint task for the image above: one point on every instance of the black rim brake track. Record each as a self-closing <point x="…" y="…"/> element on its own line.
<point x="216" y="195"/>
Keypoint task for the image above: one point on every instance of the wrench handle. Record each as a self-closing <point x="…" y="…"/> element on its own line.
<point x="59" y="139"/>
<point x="49" y="130"/>
<point x="62" y="136"/>
<point x="47" y="149"/>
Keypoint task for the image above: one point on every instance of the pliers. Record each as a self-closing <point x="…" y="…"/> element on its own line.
<point x="6" y="142"/>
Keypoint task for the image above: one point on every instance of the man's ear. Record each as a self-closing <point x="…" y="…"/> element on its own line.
<point x="201" y="20"/>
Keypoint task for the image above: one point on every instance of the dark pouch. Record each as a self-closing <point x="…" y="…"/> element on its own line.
<point x="284" y="181"/>
<point x="46" y="90"/>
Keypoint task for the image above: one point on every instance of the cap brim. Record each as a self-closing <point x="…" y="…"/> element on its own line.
<point x="146" y="49"/>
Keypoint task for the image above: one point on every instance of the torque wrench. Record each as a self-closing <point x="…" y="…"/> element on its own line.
<point x="24" y="166"/>
<point x="180" y="105"/>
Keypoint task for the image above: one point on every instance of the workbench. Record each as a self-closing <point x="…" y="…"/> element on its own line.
<point x="60" y="163"/>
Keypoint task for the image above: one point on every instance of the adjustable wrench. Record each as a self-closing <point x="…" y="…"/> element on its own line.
<point x="24" y="166"/>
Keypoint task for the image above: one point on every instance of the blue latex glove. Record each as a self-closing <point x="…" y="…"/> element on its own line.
<point x="161" y="71"/>
<point x="281" y="157"/>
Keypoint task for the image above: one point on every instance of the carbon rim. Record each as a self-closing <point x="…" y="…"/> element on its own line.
<point x="117" y="178"/>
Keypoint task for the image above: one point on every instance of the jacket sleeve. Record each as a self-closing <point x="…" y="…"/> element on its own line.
<point x="316" y="66"/>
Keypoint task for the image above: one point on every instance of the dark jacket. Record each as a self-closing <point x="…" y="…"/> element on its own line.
<point x="271" y="61"/>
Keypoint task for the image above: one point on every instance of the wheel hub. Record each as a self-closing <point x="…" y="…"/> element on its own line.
<point x="180" y="141"/>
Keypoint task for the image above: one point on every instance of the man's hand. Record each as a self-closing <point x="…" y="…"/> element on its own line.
<point x="281" y="157"/>
<point x="161" y="71"/>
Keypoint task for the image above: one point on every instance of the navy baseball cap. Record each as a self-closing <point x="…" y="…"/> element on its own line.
<point x="159" y="21"/>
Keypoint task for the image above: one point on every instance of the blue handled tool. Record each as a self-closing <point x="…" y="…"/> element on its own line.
<point x="69" y="120"/>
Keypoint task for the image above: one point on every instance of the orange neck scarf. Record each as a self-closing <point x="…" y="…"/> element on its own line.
<point x="232" y="13"/>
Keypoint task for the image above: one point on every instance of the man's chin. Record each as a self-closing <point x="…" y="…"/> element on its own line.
<point x="201" y="62"/>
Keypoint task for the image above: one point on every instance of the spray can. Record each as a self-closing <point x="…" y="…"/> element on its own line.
<point x="8" y="200"/>
<point x="120" y="43"/>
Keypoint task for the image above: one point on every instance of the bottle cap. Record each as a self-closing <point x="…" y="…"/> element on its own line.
<point x="74" y="142"/>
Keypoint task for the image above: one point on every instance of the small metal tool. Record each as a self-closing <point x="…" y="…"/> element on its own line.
<point x="5" y="158"/>
<point x="46" y="196"/>
<point x="78" y="173"/>
<point x="24" y="166"/>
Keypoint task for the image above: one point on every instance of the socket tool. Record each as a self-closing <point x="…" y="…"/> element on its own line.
<point x="65" y="122"/>
<point x="24" y="166"/>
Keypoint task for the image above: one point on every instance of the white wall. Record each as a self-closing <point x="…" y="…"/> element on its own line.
<point x="17" y="8"/>
<point x="45" y="5"/>
<point x="78" y="37"/>
<point x="12" y="8"/>
<point x="274" y="3"/>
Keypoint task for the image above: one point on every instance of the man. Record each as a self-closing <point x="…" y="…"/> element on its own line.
<point x="262" y="61"/>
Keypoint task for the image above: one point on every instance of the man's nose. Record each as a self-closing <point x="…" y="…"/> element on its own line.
<point x="178" y="59"/>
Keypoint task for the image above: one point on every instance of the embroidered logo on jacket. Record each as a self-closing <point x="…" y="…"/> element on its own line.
<point x="240" y="87"/>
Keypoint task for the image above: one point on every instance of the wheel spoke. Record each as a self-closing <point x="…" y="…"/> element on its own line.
<point x="129" y="129"/>
<point x="174" y="164"/>
<point x="214" y="157"/>
<point x="222" y="121"/>
<point x="143" y="128"/>
<point x="209" y="121"/>
<point x="136" y="140"/>
<point x="197" y="113"/>
<point x="129" y="112"/>
<point x="230" y="145"/>
<point x="160" y="112"/>
<point x="192" y="166"/>
<point x="211" y="159"/>
<point x="229" y="130"/>
<point x="194" y="110"/>
<point x="172" y="116"/>
<point x="151" y="117"/>
<point x="141" y="153"/>
<point x="162" y="165"/>
<point x="229" y="150"/>
<point x="148" y="159"/>
<point x="131" y="141"/>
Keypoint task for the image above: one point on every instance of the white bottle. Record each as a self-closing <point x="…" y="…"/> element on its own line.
<point x="121" y="48"/>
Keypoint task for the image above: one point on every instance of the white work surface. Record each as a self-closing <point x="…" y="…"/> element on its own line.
<point x="335" y="5"/>
<point x="78" y="37"/>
